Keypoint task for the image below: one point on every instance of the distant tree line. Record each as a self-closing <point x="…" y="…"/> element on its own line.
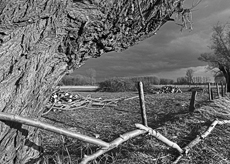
<point x="88" y="79"/>
<point x="129" y="82"/>
<point x="194" y="80"/>
<point x="190" y="79"/>
<point x="76" y="80"/>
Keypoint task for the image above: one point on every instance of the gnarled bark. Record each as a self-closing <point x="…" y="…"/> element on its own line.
<point x="42" y="40"/>
<point x="226" y="72"/>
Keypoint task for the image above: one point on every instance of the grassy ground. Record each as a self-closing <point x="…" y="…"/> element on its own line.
<point x="167" y="113"/>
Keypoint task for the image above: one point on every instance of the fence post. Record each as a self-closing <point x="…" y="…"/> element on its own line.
<point x="222" y="89"/>
<point x="142" y="103"/>
<point x="212" y="96"/>
<point x="226" y="88"/>
<point x="192" y="101"/>
<point x="209" y="91"/>
<point x="218" y="90"/>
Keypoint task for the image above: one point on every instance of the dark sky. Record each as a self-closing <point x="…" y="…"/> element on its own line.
<point x="169" y="53"/>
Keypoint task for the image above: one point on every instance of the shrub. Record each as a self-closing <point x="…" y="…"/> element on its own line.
<point x="127" y="84"/>
<point x="116" y="85"/>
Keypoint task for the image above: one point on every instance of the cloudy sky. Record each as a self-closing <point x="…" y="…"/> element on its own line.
<point x="169" y="53"/>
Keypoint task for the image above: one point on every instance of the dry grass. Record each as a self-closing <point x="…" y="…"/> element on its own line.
<point x="167" y="113"/>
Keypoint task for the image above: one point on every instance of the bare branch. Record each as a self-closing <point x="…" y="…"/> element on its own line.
<point x="185" y="15"/>
<point x="142" y="17"/>
<point x="195" y="4"/>
<point x="200" y="138"/>
<point x="159" y="137"/>
<point x="218" y="38"/>
<point x="45" y="126"/>
<point x="113" y="145"/>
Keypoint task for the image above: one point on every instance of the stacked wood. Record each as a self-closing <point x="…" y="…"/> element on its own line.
<point x="166" y="89"/>
<point x="63" y="97"/>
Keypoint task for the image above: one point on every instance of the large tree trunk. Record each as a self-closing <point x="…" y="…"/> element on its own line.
<point x="42" y="40"/>
<point x="226" y="73"/>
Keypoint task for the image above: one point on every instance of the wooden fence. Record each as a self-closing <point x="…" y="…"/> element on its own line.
<point x="140" y="129"/>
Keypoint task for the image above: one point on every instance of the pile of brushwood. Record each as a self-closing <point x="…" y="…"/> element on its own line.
<point x="61" y="100"/>
<point x="165" y="89"/>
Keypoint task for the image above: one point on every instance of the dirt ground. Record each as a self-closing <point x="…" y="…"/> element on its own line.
<point x="167" y="113"/>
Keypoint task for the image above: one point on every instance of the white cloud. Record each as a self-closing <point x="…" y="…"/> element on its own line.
<point x="195" y="41"/>
<point x="221" y="16"/>
<point x="122" y="68"/>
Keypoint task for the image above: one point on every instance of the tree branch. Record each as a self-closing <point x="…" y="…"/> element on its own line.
<point x="200" y="138"/>
<point x="113" y="144"/>
<point x="159" y="137"/>
<point x="45" y="126"/>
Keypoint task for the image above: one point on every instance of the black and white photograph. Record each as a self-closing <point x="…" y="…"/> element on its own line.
<point x="114" y="81"/>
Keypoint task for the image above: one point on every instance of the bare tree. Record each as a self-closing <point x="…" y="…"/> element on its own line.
<point x="42" y="40"/>
<point x="92" y="74"/>
<point x="182" y="80"/>
<point x="219" y="58"/>
<point x="189" y="75"/>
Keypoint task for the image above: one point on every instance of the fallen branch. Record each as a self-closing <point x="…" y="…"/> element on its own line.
<point x="142" y="130"/>
<point x="49" y="109"/>
<point x="130" y="98"/>
<point x="74" y="107"/>
<point x="45" y="126"/>
<point x="113" y="145"/>
<point x="223" y="122"/>
<point x="159" y="137"/>
<point x="200" y="138"/>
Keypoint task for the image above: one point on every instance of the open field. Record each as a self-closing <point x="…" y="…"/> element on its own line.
<point x="167" y="113"/>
